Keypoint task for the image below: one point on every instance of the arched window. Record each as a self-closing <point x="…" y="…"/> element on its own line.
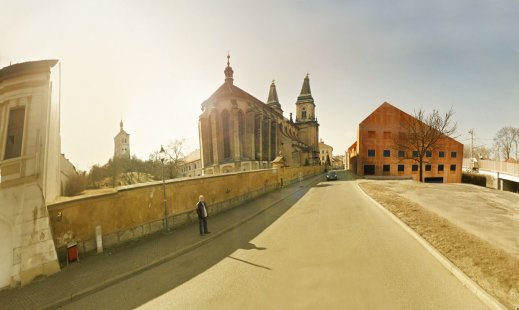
<point x="273" y="141"/>
<point x="303" y="113"/>
<point x="226" y="132"/>
<point x="241" y="130"/>
<point x="257" y="135"/>
<point x="265" y="140"/>
<point x="210" y="138"/>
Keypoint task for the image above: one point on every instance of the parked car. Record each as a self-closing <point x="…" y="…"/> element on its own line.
<point x="331" y="175"/>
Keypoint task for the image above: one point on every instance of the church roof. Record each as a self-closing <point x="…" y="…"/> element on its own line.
<point x="230" y="90"/>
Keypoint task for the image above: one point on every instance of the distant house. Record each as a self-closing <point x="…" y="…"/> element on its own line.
<point x="338" y="162"/>
<point x="374" y="153"/>
<point x="192" y="166"/>
<point x="325" y="151"/>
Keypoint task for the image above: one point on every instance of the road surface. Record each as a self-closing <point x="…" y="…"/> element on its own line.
<point x="327" y="248"/>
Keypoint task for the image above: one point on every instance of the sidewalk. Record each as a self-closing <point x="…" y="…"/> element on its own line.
<point x="96" y="272"/>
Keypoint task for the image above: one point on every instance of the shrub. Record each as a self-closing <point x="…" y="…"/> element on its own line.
<point x="474" y="178"/>
<point x="75" y="185"/>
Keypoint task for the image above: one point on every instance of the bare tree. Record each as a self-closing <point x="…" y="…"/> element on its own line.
<point x="422" y="134"/>
<point x="174" y="157"/>
<point x="504" y="140"/>
<point x="516" y="140"/>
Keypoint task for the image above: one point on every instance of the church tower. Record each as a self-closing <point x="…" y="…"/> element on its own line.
<point x="307" y="122"/>
<point x="305" y="107"/>
<point x="122" y="143"/>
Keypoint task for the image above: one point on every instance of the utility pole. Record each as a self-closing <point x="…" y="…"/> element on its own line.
<point x="471" y="149"/>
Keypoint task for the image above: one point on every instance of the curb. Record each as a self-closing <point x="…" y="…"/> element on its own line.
<point x="485" y="297"/>
<point x="112" y="281"/>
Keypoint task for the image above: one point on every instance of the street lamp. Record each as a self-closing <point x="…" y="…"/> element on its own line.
<point x="162" y="156"/>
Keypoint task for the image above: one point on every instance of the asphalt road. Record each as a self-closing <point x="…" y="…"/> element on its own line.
<point x="326" y="248"/>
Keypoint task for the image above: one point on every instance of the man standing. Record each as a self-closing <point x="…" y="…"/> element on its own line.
<point x="201" y="210"/>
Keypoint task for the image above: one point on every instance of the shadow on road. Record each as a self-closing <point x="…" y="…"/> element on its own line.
<point x="246" y="262"/>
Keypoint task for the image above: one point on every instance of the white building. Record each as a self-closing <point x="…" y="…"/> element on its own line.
<point x="30" y="177"/>
<point x="122" y="143"/>
<point x="192" y="166"/>
<point x="325" y="151"/>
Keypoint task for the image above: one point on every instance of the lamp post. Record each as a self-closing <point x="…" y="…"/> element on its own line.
<point x="162" y="156"/>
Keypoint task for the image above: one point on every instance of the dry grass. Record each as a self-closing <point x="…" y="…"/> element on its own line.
<point x="495" y="270"/>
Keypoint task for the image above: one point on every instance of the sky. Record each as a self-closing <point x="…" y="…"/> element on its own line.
<point x="152" y="63"/>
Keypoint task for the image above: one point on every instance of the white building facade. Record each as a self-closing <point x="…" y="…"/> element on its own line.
<point x="30" y="152"/>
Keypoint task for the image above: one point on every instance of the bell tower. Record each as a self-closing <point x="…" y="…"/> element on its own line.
<point x="305" y="106"/>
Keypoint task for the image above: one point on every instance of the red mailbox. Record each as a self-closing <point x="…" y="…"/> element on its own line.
<point x="72" y="252"/>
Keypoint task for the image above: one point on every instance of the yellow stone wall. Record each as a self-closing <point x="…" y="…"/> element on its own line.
<point x="132" y="211"/>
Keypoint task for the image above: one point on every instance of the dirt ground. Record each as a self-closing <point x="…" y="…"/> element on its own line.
<point x="474" y="227"/>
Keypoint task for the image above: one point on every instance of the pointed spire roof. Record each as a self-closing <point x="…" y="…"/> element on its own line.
<point x="306" y="93"/>
<point x="273" y="94"/>
<point x="229" y="71"/>
<point x="273" y="100"/>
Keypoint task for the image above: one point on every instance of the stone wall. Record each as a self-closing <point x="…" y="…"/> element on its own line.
<point x="130" y="212"/>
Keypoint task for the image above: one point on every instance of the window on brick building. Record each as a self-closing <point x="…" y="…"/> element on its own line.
<point x="371" y="134"/>
<point x="414" y="168"/>
<point x="428" y="167"/>
<point x="441" y="154"/>
<point x="369" y="169"/>
<point x="371" y="153"/>
<point x="454" y="154"/>
<point x="453" y="167"/>
<point x="401" y="153"/>
<point x="440" y="168"/>
<point x="428" y="154"/>
<point x="415" y="153"/>
<point x="387" y="153"/>
<point x="400" y="168"/>
<point x="386" y="168"/>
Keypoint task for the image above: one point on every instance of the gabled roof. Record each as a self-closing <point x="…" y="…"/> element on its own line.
<point x="385" y="105"/>
<point x="388" y="106"/>
<point x="230" y="90"/>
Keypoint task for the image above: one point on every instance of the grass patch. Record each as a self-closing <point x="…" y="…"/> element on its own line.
<point x="495" y="270"/>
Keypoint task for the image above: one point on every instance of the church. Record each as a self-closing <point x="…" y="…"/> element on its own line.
<point x="239" y="132"/>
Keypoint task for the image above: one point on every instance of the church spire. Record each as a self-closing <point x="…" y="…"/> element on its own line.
<point x="121" y="124"/>
<point x="273" y="100"/>
<point x="273" y="94"/>
<point x="228" y="70"/>
<point x="306" y="93"/>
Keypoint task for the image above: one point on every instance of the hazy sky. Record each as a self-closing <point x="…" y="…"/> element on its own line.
<point x="152" y="63"/>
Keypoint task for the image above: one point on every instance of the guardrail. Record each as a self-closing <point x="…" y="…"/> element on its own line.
<point x="501" y="166"/>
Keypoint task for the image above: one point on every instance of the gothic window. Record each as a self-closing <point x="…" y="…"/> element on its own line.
<point x="210" y="138"/>
<point x="265" y="140"/>
<point x="226" y="128"/>
<point x="273" y="140"/>
<point x="303" y="113"/>
<point x="13" y="143"/>
<point x="241" y="130"/>
<point x="257" y="135"/>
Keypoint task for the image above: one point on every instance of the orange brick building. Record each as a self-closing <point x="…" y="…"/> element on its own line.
<point x="374" y="152"/>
